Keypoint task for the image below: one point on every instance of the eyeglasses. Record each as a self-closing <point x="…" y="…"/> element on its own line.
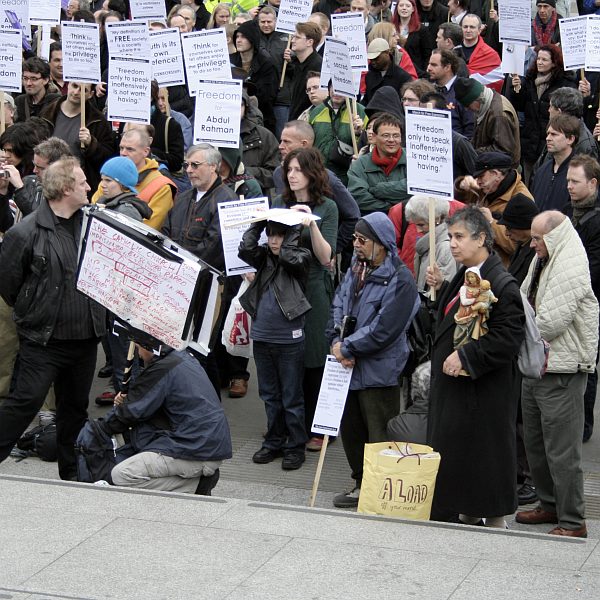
<point x="359" y="239"/>
<point x="312" y="88"/>
<point x="26" y="78"/>
<point x="389" y="136"/>
<point x="298" y="37"/>
<point x="407" y="99"/>
<point x="194" y="165"/>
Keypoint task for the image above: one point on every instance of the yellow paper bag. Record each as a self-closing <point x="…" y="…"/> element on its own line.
<point x="398" y="480"/>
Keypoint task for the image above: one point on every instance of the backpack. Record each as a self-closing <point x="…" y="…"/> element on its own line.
<point x="97" y="453"/>
<point x="533" y="354"/>
<point x="41" y="441"/>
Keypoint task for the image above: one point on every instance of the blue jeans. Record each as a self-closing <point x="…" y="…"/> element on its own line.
<point x="279" y="368"/>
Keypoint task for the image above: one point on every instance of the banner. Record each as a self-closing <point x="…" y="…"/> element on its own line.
<point x="429" y="152"/>
<point x="350" y="27"/>
<point x="291" y="12"/>
<point x="129" y="89"/>
<point x="573" y="32"/>
<point x="205" y="54"/>
<point x="167" y="57"/>
<point x="218" y="112"/>
<point x="128" y="38"/>
<point x="148" y="10"/>
<point x="11" y="57"/>
<point x="81" y="52"/>
<point x="44" y="12"/>
<point x="515" y="21"/>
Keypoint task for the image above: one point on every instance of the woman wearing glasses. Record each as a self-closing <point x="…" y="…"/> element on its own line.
<point x="306" y="190"/>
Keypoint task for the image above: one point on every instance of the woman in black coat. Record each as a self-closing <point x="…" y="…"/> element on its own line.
<point x="545" y="75"/>
<point x="472" y="417"/>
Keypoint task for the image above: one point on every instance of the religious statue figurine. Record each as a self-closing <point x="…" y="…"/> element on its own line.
<point x="476" y="299"/>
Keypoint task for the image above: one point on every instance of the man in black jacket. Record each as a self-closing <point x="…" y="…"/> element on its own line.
<point x="58" y="327"/>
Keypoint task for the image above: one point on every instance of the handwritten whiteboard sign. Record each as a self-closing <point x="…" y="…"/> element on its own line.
<point x="142" y="287"/>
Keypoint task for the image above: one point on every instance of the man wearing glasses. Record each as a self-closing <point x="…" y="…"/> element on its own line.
<point x="378" y="180"/>
<point x="36" y="77"/>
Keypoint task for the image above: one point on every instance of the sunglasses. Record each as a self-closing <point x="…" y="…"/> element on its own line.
<point x="360" y="239"/>
<point x="194" y="165"/>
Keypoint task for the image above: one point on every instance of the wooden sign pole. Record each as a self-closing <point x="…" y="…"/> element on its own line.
<point x="289" y="44"/>
<point x="313" y="493"/>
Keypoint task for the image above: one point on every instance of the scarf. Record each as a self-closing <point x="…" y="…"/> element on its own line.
<point x="486" y="101"/>
<point x="581" y="208"/>
<point x="361" y="269"/>
<point x="543" y="33"/>
<point x="540" y="263"/>
<point x="387" y="163"/>
<point x="542" y="82"/>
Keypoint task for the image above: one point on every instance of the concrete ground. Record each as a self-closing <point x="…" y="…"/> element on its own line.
<point x="258" y="539"/>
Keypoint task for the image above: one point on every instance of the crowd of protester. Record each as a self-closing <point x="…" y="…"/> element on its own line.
<point x="525" y="216"/>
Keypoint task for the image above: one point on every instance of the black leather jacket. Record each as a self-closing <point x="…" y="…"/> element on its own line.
<point x="287" y="273"/>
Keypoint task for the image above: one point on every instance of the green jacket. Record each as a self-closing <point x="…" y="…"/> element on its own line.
<point x="329" y="124"/>
<point x="372" y="189"/>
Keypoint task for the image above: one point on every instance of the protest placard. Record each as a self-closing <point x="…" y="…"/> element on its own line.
<point x="46" y="40"/>
<point x="81" y="52"/>
<point x="148" y="9"/>
<point x="573" y="32"/>
<point x="43" y="12"/>
<point x="515" y="21"/>
<point x="205" y="54"/>
<point x="128" y="38"/>
<point x="21" y="10"/>
<point x="327" y="75"/>
<point x="231" y="213"/>
<point x="11" y="57"/>
<point x="513" y="58"/>
<point x="350" y="27"/>
<point x="429" y="152"/>
<point x="341" y="69"/>
<point x="291" y="12"/>
<point x="217" y="117"/>
<point x="592" y="46"/>
<point x="167" y="58"/>
<point x="129" y="89"/>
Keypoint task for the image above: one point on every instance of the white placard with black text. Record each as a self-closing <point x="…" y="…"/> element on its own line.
<point x="148" y="9"/>
<point x="515" y="21"/>
<point x="81" y="52"/>
<point x="350" y="27"/>
<point x="21" y="9"/>
<point x="592" y="45"/>
<point x="573" y="32"/>
<point x="291" y="12"/>
<point x="11" y="60"/>
<point x="206" y="55"/>
<point x="129" y="89"/>
<point x="167" y="58"/>
<point x="128" y="38"/>
<point x="513" y="58"/>
<point x="44" y="12"/>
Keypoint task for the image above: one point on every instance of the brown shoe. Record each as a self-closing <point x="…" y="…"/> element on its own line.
<point x="580" y="533"/>
<point x="238" y="388"/>
<point x="536" y="516"/>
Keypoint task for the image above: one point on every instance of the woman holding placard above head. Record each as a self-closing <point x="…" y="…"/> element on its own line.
<point x="220" y="17"/>
<point x="531" y="95"/>
<point x="307" y="190"/>
<point x="413" y="36"/>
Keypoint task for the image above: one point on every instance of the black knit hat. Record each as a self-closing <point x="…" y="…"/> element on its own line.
<point x="552" y="3"/>
<point x="519" y="212"/>
<point x="365" y="229"/>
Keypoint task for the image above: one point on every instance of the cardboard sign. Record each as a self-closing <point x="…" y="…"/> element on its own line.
<point x="44" y="12"/>
<point x="148" y="10"/>
<point x="206" y="55"/>
<point x="515" y="21"/>
<point x="350" y="27"/>
<point x="167" y="57"/>
<point x="129" y="94"/>
<point x="429" y="152"/>
<point x="291" y="12"/>
<point x="217" y="117"/>
<point x="11" y="58"/>
<point x="128" y="38"/>
<point x="573" y="34"/>
<point x="513" y="58"/>
<point x="81" y="52"/>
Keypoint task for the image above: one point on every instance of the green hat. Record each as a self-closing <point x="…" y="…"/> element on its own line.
<point x="467" y="90"/>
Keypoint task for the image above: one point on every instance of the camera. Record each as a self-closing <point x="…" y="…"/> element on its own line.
<point x="4" y="174"/>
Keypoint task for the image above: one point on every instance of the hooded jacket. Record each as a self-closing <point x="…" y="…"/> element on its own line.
<point x="127" y="204"/>
<point x="384" y="309"/>
<point x="395" y="77"/>
<point x="238" y="181"/>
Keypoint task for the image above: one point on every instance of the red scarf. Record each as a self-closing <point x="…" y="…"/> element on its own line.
<point x="543" y="35"/>
<point x="387" y="163"/>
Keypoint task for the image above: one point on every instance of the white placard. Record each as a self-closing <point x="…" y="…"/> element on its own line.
<point x="43" y="12"/>
<point x="350" y="27"/>
<point x="515" y="21"/>
<point x="332" y="397"/>
<point x="291" y="12"/>
<point x="337" y="67"/>
<point x="231" y="234"/>
<point x="592" y="46"/>
<point x="128" y="38"/>
<point x="326" y="73"/>
<point x="81" y="52"/>
<point x="217" y="117"/>
<point x="573" y="32"/>
<point x="140" y="286"/>
<point x="129" y="89"/>
<point x="206" y="55"/>
<point x="11" y="60"/>
<point x="148" y="9"/>
<point x="167" y="57"/>
<point x="46" y="41"/>
<point x="21" y="9"/>
<point x="513" y="58"/>
<point x="429" y="152"/>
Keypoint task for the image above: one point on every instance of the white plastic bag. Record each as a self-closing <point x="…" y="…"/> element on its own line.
<point x="236" y="331"/>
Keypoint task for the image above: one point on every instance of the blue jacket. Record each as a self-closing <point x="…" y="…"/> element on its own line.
<point x="173" y="409"/>
<point x="384" y="310"/>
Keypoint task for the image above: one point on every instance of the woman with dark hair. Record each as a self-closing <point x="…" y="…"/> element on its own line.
<point x="413" y="36"/>
<point x="475" y="385"/>
<point x="531" y="95"/>
<point x="307" y="190"/>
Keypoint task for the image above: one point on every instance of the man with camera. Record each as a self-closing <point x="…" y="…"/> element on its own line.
<point x="371" y="311"/>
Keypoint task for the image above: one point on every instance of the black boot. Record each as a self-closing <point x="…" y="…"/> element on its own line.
<point x="207" y="483"/>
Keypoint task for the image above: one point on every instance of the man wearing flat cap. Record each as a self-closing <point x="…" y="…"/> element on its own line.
<point x="492" y="185"/>
<point x="496" y="122"/>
